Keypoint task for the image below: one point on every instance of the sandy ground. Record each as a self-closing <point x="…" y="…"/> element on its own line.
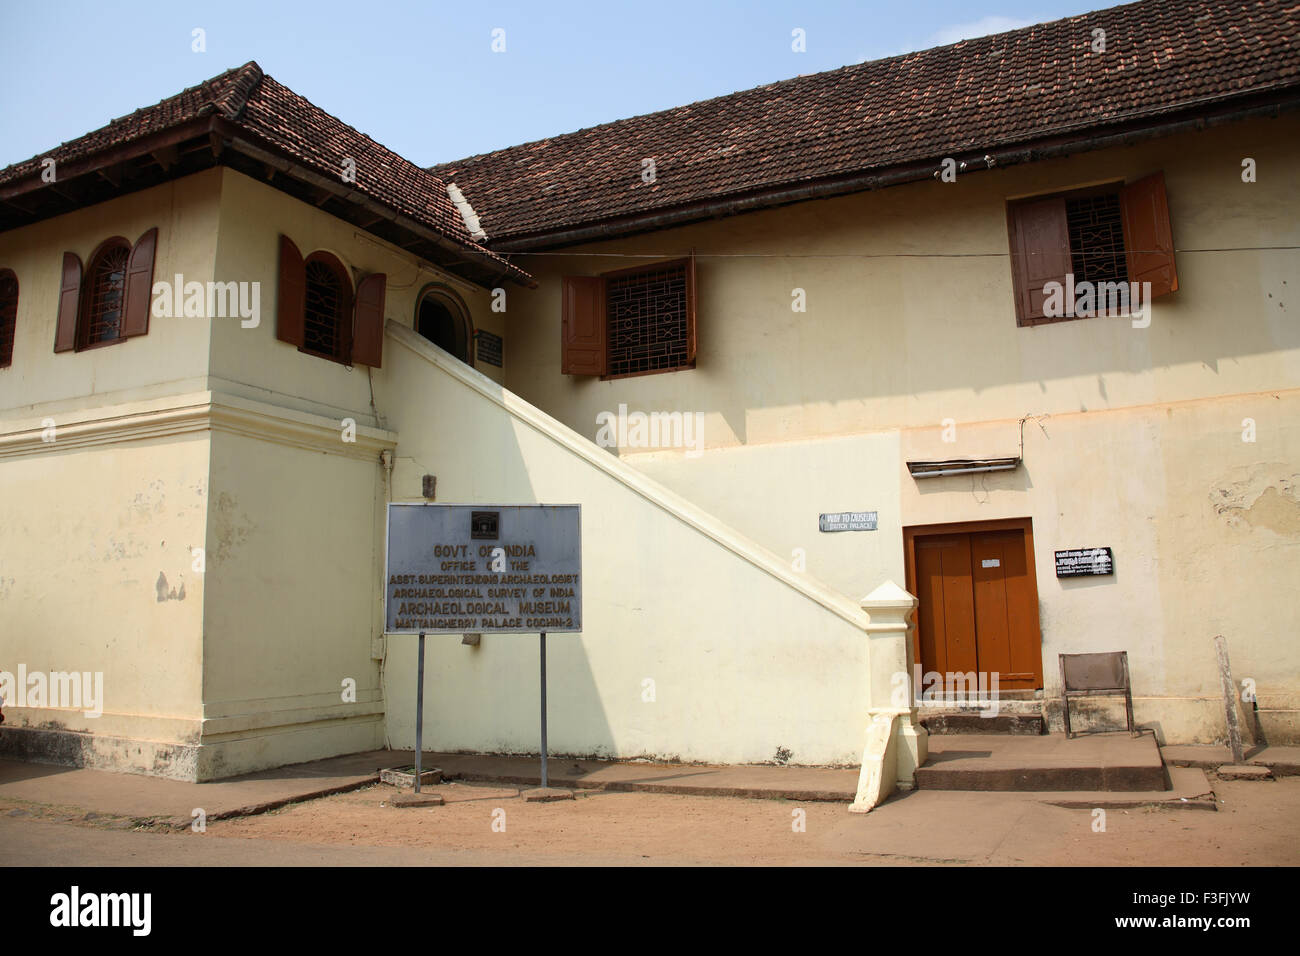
<point x="1256" y="824"/>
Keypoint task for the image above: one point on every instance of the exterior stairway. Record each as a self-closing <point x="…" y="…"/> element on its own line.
<point x="1113" y="762"/>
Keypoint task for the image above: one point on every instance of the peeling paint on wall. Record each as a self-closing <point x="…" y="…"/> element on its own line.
<point x="1262" y="498"/>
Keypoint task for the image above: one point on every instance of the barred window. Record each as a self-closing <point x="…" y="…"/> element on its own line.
<point x="8" y="315"/>
<point x="631" y="322"/>
<point x="104" y="294"/>
<point x="1096" y="238"/>
<point x="646" y="314"/>
<point x="328" y="305"/>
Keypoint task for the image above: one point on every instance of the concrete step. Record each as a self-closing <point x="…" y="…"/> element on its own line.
<point x="1109" y="762"/>
<point x="1027" y="725"/>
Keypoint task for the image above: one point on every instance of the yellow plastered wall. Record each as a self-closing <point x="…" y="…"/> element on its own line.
<point x="1132" y="438"/>
<point x="696" y="643"/>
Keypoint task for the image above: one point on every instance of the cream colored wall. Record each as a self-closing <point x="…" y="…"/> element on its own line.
<point x="100" y="524"/>
<point x="819" y="412"/>
<point x="99" y="529"/>
<point x="745" y="656"/>
<point x="250" y="361"/>
<point x="172" y="357"/>
<point x="890" y="341"/>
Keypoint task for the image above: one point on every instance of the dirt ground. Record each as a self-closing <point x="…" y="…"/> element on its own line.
<point x="1256" y="824"/>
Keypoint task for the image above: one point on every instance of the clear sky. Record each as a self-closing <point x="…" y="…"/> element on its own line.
<point x="422" y="78"/>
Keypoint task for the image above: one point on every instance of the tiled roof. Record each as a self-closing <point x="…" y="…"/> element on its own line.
<point x="1161" y="56"/>
<point x="274" y="115"/>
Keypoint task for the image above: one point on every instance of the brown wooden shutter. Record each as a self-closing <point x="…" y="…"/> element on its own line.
<point x="1148" y="237"/>
<point x="690" y="310"/>
<point x="139" y="285"/>
<point x="582" y="327"/>
<point x="65" y="334"/>
<point x="1040" y="253"/>
<point x="291" y="308"/>
<point x="368" y="321"/>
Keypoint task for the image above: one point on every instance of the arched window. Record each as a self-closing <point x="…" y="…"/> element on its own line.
<point x="103" y="296"/>
<point x="327" y="316"/>
<point x="8" y="315"/>
<point x="442" y="318"/>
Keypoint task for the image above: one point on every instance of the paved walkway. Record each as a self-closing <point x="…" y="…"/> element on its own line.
<point x="77" y="792"/>
<point x="69" y="793"/>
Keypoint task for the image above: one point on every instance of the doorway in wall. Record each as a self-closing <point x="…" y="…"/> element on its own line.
<point x="978" y="595"/>
<point x="442" y="318"/>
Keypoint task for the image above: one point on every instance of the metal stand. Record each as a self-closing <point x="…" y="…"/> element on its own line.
<point x="543" y="645"/>
<point x="419" y="713"/>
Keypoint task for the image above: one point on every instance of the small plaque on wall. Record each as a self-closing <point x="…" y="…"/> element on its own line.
<point x="488" y="347"/>
<point x="847" y="521"/>
<point x="1079" y="562"/>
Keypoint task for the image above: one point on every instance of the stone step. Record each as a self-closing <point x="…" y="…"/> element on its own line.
<point x="1110" y="762"/>
<point x="1028" y="725"/>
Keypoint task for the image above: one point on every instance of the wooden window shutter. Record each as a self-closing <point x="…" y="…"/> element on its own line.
<point x="690" y="310"/>
<point x="65" y="335"/>
<point x="582" y="326"/>
<point x="1040" y="253"/>
<point x="1148" y="237"/>
<point x="368" y="321"/>
<point x="139" y="285"/>
<point x="291" y="304"/>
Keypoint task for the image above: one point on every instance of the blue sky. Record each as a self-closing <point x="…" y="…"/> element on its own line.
<point x="421" y="77"/>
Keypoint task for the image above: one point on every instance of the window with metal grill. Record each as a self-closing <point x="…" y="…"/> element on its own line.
<point x="1099" y="246"/>
<point x="646" y="316"/>
<point x="8" y="315"/>
<point x="326" y="308"/>
<point x="104" y="296"/>
<point x="1096" y="231"/>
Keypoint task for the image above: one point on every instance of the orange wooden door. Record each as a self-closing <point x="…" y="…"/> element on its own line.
<point x="977" y="608"/>
<point x="946" y="617"/>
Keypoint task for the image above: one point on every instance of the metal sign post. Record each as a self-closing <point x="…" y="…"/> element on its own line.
<point x="544" y="780"/>
<point x="419" y="712"/>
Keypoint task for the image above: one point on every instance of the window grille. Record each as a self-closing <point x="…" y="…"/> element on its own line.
<point x="325" y="310"/>
<point x="646" y="316"/>
<point x="105" y="296"/>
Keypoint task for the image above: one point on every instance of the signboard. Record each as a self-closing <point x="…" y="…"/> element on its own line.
<point x="847" y="521"/>
<point x="483" y="569"/>
<point x="1084" y="561"/>
<point x="488" y="347"/>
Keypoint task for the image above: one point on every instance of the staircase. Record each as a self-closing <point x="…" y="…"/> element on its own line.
<point x="1112" y="762"/>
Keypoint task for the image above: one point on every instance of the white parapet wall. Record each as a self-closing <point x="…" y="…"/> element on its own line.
<point x="698" y="644"/>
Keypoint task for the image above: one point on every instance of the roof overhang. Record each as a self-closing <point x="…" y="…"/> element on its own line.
<point x="1166" y="122"/>
<point x="211" y="140"/>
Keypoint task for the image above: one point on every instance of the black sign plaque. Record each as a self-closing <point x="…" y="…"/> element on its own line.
<point x="488" y="347"/>
<point x="1080" y="562"/>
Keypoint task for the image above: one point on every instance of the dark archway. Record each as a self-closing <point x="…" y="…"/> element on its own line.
<point x="442" y="318"/>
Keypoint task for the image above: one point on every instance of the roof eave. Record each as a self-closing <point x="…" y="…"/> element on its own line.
<point x="1271" y="103"/>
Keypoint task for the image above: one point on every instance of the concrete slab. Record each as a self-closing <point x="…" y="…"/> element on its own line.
<point x="143" y="798"/>
<point x="811" y="784"/>
<point x="1029" y="725"/>
<point x="409" y="798"/>
<point x="1283" y="761"/>
<point x="545" y="794"/>
<point x="1090" y="762"/>
<point x="1243" y="772"/>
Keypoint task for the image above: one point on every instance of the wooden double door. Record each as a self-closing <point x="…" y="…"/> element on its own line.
<point x="978" y="602"/>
